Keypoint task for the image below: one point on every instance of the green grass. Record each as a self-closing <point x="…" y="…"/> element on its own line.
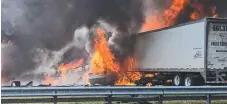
<point x="102" y="102"/>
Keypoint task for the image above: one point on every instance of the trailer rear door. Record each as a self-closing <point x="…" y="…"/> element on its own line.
<point x="217" y="45"/>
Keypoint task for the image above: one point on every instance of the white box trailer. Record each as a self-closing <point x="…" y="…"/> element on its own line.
<point x="189" y="54"/>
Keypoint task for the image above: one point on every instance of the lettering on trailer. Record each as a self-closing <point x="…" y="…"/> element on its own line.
<point x="219" y="27"/>
<point x="221" y="50"/>
<point x="218" y="43"/>
<point x="222" y="43"/>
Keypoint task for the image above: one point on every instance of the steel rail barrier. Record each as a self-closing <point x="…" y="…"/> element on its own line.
<point x="109" y="91"/>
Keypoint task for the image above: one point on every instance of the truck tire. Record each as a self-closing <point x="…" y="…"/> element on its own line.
<point x="190" y="80"/>
<point x="178" y="80"/>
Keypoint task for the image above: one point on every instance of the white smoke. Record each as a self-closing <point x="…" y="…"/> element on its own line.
<point x="47" y="60"/>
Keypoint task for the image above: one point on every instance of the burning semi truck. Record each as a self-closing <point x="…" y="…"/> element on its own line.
<point x="188" y="54"/>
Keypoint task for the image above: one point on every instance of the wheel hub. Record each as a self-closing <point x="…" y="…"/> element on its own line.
<point x="177" y="80"/>
<point x="188" y="81"/>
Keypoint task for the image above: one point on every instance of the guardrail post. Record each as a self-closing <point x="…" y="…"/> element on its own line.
<point x="55" y="99"/>
<point x="160" y="99"/>
<point x="208" y="100"/>
<point x="109" y="100"/>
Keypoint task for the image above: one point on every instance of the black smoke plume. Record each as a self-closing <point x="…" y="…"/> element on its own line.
<point x="50" y="25"/>
<point x="219" y="6"/>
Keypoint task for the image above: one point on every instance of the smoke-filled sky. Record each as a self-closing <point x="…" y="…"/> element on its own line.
<point x="37" y="28"/>
<point x="43" y="34"/>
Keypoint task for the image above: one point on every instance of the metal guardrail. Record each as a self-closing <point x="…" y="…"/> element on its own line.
<point x="161" y="92"/>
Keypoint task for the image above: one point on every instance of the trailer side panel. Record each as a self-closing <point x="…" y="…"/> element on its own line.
<point x="174" y="49"/>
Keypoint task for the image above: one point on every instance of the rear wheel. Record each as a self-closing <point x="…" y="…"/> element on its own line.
<point x="193" y="80"/>
<point x="178" y="80"/>
<point x="188" y="81"/>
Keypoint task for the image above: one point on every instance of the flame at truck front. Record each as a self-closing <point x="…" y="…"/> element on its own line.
<point x="104" y="61"/>
<point x="103" y="58"/>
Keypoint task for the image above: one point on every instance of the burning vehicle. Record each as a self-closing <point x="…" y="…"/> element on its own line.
<point x="195" y="63"/>
<point x="100" y="42"/>
<point x="107" y="78"/>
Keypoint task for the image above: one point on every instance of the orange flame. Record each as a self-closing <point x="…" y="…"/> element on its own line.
<point x="214" y="12"/>
<point x="103" y="58"/>
<point x="71" y="65"/>
<point x="174" y="10"/>
<point x="200" y="11"/>
<point x="63" y="68"/>
<point x="151" y="23"/>
<point x="167" y="18"/>
<point x="50" y="80"/>
<point x="127" y="76"/>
